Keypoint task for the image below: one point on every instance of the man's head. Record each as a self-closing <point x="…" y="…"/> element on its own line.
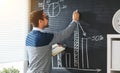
<point x="39" y="19"/>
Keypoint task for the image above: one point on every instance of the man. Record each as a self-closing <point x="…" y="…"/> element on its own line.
<point x="39" y="42"/>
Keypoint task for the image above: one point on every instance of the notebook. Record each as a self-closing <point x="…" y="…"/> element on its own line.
<point x="56" y="49"/>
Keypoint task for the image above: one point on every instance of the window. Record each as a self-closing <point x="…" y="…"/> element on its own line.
<point x="13" y="30"/>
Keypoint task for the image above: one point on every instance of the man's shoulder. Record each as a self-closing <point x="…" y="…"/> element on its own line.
<point x="37" y="38"/>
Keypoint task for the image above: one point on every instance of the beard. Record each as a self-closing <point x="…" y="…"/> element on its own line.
<point x="47" y="26"/>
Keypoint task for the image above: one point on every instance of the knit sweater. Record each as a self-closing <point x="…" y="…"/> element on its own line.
<point x="39" y="48"/>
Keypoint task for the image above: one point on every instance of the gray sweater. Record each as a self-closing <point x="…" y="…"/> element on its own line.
<point x="39" y="48"/>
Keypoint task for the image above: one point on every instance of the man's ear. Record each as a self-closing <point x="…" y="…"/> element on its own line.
<point x="40" y="21"/>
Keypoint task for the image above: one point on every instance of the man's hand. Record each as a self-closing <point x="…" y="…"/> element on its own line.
<point x="76" y="16"/>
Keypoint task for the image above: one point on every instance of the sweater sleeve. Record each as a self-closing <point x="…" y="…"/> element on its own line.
<point x="60" y="36"/>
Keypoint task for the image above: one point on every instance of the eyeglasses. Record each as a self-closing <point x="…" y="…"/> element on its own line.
<point x="46" y="17"/>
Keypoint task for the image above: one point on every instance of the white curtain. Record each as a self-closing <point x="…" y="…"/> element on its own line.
<point x="13" y="29"/>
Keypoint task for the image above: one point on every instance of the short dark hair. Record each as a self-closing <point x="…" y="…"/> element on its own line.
<point x="35" y="16"/>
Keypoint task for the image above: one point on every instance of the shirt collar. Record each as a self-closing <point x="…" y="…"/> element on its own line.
<point x="38" y="29"/>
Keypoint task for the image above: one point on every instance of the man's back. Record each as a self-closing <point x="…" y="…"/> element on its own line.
<point x="39" y="52"/>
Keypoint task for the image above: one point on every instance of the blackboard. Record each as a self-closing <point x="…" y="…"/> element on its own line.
<point x="96" y="21"/>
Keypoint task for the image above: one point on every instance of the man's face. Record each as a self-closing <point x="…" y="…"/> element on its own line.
<point x="45" y="19"/>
